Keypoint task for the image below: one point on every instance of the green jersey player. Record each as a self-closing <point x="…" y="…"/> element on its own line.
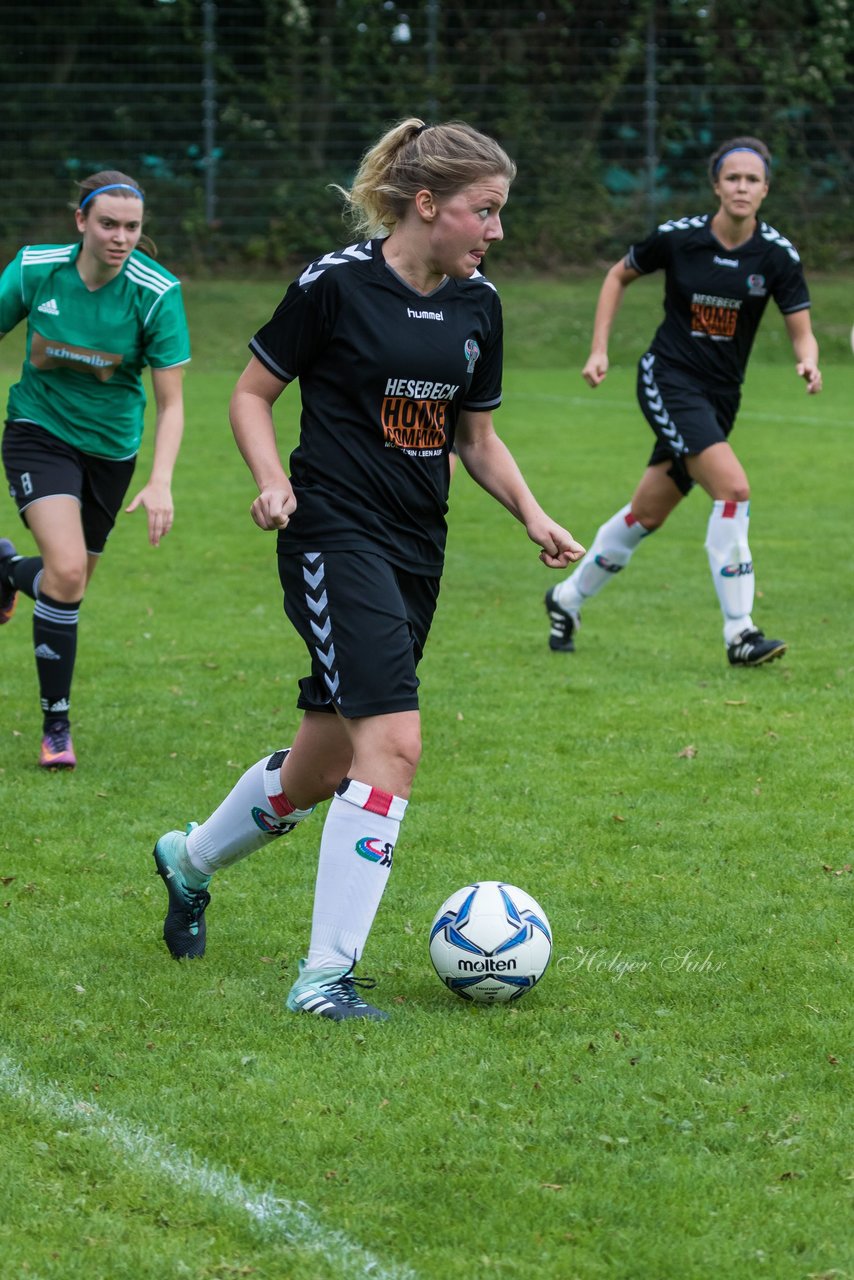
<point x="97" y="312"/>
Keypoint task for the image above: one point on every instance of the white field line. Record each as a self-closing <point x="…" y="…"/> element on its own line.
<point x="273" y="1217"/>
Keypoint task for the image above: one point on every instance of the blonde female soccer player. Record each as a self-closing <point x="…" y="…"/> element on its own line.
<point x="397" y="344"/>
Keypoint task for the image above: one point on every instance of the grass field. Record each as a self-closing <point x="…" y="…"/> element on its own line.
<point x="675" y="1099"/>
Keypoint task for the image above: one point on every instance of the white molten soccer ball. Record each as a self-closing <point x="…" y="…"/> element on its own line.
<point x="490" y="942"/>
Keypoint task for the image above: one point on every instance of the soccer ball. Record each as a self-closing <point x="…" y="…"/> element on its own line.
<point x="490" y="942"/>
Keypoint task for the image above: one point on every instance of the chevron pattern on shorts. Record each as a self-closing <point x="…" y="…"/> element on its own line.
<point x="314" y="577"/>
<point x="669" y="430"/>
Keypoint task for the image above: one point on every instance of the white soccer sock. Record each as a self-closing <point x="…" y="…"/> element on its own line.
<point x="356" y="851"/>
<point x="244" y="821"/>
<point x="613" y="547"/>
<point x="731" y="565"/>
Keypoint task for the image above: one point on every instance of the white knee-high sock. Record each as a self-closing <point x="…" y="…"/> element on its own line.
<point x="356" y="852"/>
<point x="255" y="811"/>
<point x="731" y="565"/>
<point x="613" y="547"/>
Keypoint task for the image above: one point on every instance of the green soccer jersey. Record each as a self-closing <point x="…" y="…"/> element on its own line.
<point x="86" y="349"/>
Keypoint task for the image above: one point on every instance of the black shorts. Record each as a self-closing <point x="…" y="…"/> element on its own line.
<point x="365" y="623"/>
<point x="685" y="417"/>
<point x="40" y="465"/>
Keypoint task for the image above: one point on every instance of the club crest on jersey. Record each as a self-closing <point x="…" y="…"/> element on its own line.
<point x="756" y="285"/>
<point x="375" y="850"/>
<point x="472" y="351"/>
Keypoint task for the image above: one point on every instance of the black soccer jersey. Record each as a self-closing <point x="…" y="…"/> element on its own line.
<point x="714" y="297"/>
<point x="384" y="372"/>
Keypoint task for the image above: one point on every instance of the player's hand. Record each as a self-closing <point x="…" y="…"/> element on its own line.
<point x="596" y="368"/>
<point x="156" y="498"/>
<point x="811" y="374"/>
<point x="559" y="548"/>
<point x="273" y="507"/>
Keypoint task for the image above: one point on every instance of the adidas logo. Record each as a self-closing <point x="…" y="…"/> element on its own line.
<point x="49" y="308"/>
<point x="45" y="651"/>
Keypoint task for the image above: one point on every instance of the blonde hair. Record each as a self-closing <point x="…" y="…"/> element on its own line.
<point x="411" y="157"/>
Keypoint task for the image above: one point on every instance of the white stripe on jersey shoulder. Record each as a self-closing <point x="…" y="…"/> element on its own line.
<point x="684" y="224"/>
<point x="33" y="255"/>
<point x="774" y="237"/>
<point x="340" y="257"/>
<point x="148" y="277"/>
<point x="481" y="279"/>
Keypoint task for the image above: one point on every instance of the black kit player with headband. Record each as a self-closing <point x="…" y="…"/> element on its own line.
<point x="397" y="344"/>
<point x="97" y="312"/>
<point x="719" y="272"/>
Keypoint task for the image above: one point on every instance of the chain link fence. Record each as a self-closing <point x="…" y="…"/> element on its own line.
<point x="235" y="118"/>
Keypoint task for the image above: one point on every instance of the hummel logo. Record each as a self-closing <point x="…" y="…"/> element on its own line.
<point x="45" y="651"/>
<point x="49" y="308"/>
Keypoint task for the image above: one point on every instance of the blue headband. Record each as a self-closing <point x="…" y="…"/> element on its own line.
<point x="114" y="186"/>
<point x="732" y="152"/>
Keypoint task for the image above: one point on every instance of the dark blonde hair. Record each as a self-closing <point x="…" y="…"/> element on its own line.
<point x="413" y="156"/>
<point x="113" y="178"/>
<point x="738" y="144"/>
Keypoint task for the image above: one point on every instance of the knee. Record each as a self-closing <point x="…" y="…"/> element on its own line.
<point x="387" y="750"/>
<point x="407" y="755"/>
<point x="732" y="491"/>
<point x="648" y="518"/>
<point x="65" y="580"/>
<point x="402" y="754"/>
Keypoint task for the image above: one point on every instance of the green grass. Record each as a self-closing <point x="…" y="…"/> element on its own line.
<point x="675" y="1099"/>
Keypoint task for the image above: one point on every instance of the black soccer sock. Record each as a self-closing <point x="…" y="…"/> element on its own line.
<point x="55" y="647"/>
<point x="22" y="573"/>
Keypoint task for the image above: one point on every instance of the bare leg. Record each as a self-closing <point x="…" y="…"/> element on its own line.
<point x="320" y="757"/>
<point x="56" y="525"/>
<point x="656" y="497"/>
<point x="720" y="473"/>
